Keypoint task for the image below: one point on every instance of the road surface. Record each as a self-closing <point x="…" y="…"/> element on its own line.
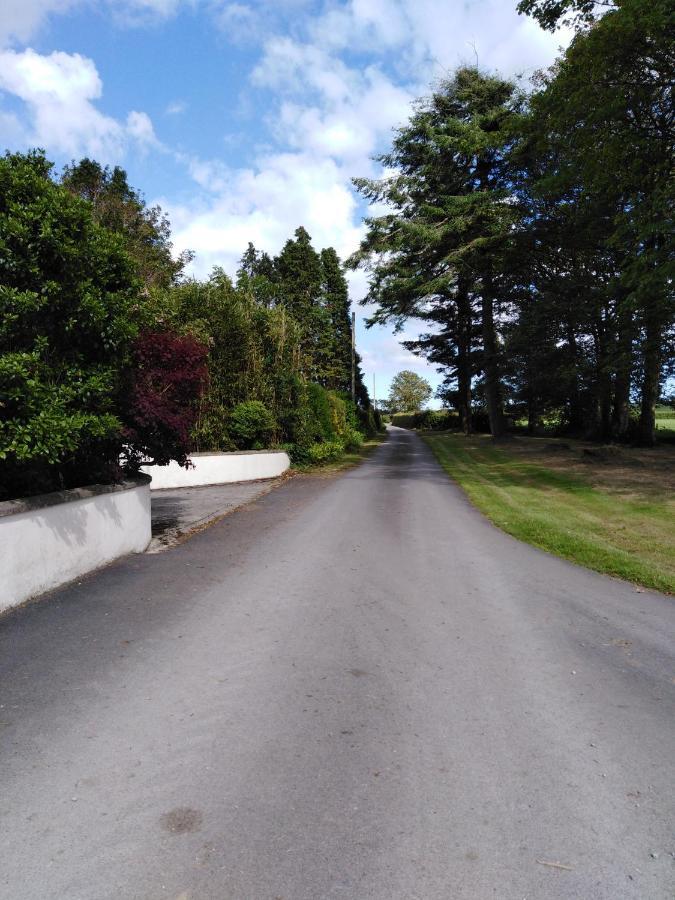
<point x="352" y="688"/>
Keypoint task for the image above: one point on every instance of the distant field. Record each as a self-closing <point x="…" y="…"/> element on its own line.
<point x="612" y="511"/>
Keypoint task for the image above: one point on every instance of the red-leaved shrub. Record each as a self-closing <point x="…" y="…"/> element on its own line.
<point x="169" y="378"/>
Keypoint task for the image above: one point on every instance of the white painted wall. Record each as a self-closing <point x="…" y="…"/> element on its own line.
<point x="51" y="543"/>
<point x="219" y="468"/>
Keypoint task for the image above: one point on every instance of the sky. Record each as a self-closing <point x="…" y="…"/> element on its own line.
<point x="244" y="120"/>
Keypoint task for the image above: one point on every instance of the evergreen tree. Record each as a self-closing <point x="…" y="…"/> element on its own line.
<point x="606" y="114"/>
<point x="335" y="300"/>
<point x="299" y="277"/>
<point x="452" y="221"/>
<point x="256" y="275"/>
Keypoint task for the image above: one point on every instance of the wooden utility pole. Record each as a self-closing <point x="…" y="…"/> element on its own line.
<point x="354" y="357"/>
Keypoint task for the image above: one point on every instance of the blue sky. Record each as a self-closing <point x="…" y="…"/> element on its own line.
<point x="247" y="119"/>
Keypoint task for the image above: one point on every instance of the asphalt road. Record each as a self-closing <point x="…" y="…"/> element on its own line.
<point x="353" y="688"/>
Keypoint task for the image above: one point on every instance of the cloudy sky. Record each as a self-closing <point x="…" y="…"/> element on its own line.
<point x="246" y="119"/>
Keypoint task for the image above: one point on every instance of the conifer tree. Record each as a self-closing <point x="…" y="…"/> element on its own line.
<point x="605" y="116"/>
<point x="444" y="243"/>
<point x="335" y="299"/>
<point x="299" y="278"/>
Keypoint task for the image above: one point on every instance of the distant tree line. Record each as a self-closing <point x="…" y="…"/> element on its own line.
<point x="533" y="232"/>
<point x="110" y="356"/>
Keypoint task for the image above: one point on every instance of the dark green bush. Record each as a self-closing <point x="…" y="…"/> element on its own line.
<point x="68" y="293"/>
<point x="319" y="424"/>
<point x="367" y="426"/>
<point x="403" y="420"/>
<point x="251" y="425"/>
<point x="436" y="420"/>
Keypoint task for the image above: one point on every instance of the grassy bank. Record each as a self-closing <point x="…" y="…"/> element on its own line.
<point x="610" y="510"/>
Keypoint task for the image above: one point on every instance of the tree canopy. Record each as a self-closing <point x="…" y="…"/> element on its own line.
<point x="532" y="233"/>
<point x="408" y="392"/>
<point x="552" y="13"/>
<point x="111" y="357"/>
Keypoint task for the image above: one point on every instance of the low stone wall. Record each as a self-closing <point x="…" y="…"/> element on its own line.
<point x="48" y="540"/>
<point x="220" y="468"/>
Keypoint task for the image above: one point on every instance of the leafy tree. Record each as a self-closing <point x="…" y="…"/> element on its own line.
<point x="605" y="111"/>
<point x="68" y="292"/>
<point x="408" y="392"/>
<point x="84" y="385"/>
<point x="118" y="207"/>
<point x="253" y="354"/>
<point x="552" y="13"/>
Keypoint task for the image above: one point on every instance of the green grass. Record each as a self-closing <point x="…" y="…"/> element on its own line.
<point x="665" y="423"/>
<point x="665" y="427"/>
<point x="628" y="532"/>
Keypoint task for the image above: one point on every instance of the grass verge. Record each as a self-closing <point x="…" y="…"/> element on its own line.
<point x="615" y="515"/>
<point x="347" y="460"/>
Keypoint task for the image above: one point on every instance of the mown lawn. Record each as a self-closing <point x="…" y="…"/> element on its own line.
<point x="615" y="514"/>
<point x="665" y="422"/>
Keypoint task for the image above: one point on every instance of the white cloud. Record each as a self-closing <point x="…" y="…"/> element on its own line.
<point x="351" y="127"/>
<point x="265" y="205"/>
<point x="238" y="21"/>
<point x="176" y="108"/>
<point x="327" y="107"/>
<point x="140" y="128"/>
<point x="58" y="91"/>
<point x="212" y="175"/>
<point x="437" y="35"/>
<point x="21" y="19"/>
<point x="288" y="66"/>
<point x="145" y="12"/>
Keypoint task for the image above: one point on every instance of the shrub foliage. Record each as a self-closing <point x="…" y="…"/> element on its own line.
<point x="110" y="358"/>
<point x="169" y="375"/>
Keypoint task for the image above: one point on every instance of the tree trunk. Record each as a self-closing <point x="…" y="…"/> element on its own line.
<point x="605" y="403"/>
<point x="621" y="406"/>
<point x="464" y="361"/>
<point x="532" y="415"/>
<point x="601" y="423"/>
<point x="651" y="383"/>
<point x="576" y="414"/>
<point x="493" y="394"/>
